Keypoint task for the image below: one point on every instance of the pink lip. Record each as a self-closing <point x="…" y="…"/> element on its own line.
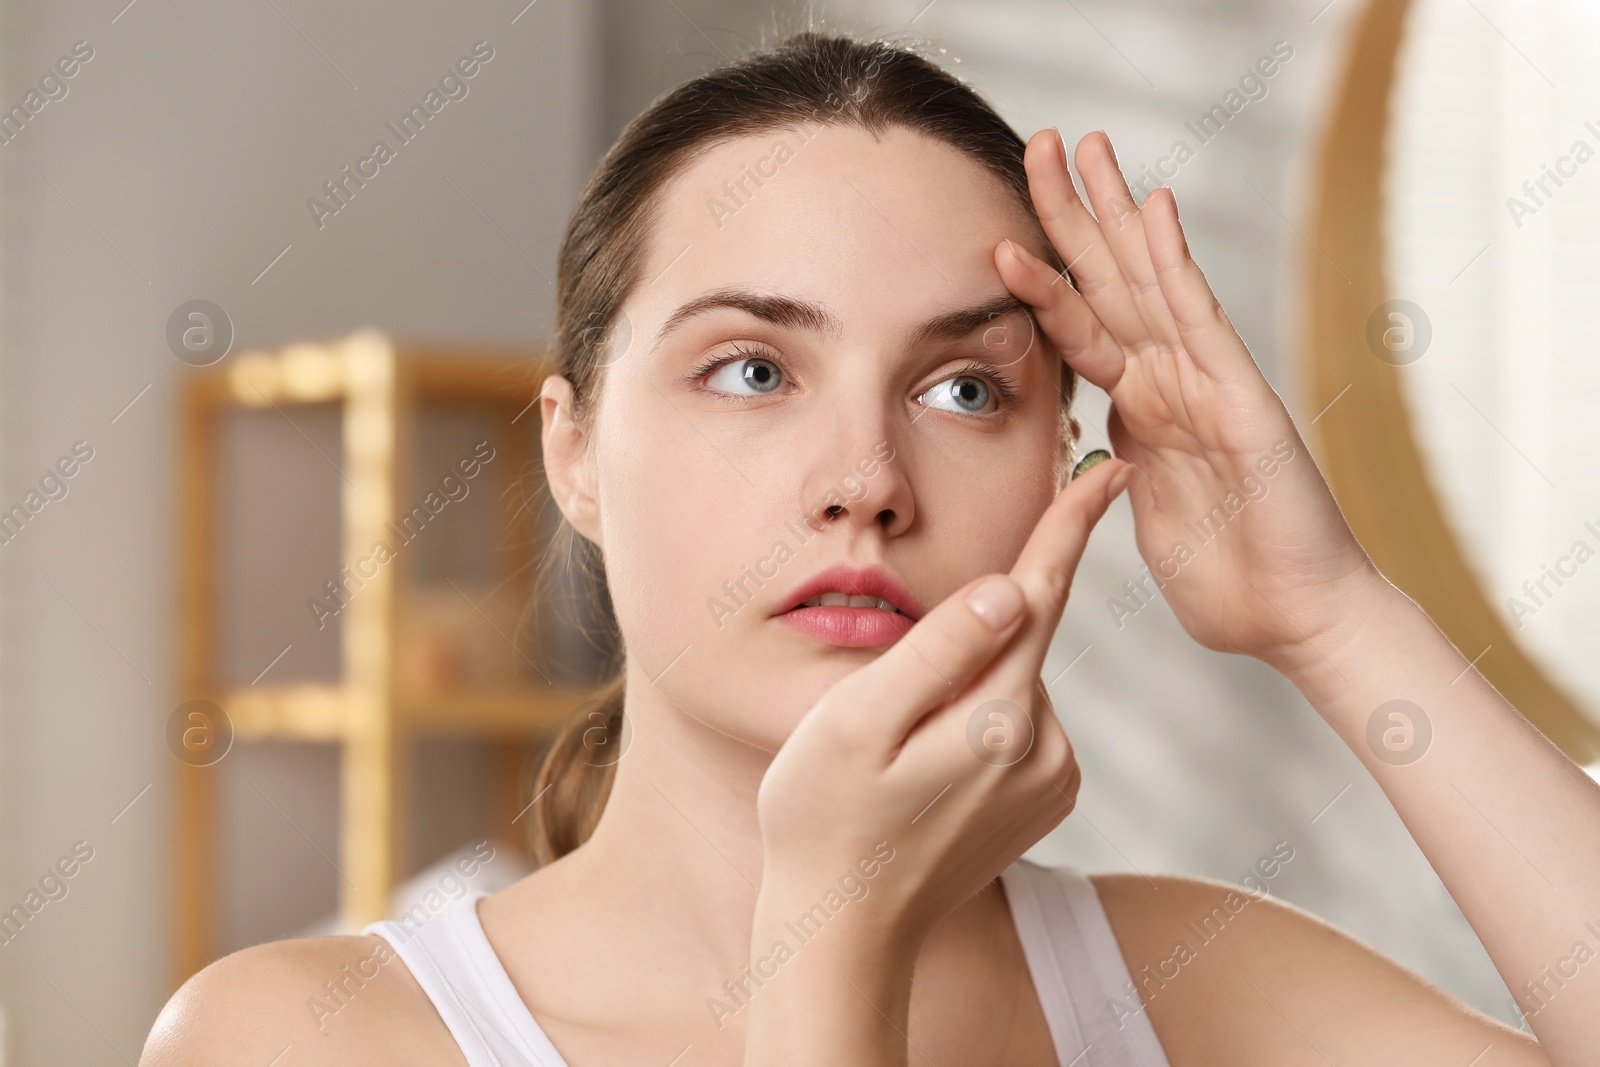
<point x="846" y="626"/>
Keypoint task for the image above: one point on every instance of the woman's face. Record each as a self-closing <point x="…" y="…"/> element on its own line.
<point x="845" y="287"/>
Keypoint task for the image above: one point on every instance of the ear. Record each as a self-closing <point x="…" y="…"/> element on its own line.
<point x="566" y="458"/>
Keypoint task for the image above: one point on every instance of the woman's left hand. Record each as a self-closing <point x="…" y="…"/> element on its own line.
<point x="1230" y="512"/>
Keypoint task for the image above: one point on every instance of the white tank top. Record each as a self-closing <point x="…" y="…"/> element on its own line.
<point x="1095" y="1016"/>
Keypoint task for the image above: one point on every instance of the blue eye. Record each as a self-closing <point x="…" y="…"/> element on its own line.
<point x="752" y="376"/>
<point x="965" y="394"/>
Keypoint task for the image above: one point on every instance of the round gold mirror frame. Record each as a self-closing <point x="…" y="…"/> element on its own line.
<point x="1363" y="436"/>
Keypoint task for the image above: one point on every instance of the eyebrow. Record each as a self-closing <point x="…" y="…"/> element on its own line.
<point x="800" y="314"/>
<point x="778" y="310"/>
<point x="955" y="325"/>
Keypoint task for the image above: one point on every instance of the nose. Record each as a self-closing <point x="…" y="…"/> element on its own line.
<point x="860" y="482"/>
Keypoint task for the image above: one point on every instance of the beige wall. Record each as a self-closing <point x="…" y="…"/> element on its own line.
<point x="190" y="144"/>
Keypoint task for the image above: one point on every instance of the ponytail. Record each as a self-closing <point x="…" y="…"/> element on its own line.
<point x="574" y="774"/>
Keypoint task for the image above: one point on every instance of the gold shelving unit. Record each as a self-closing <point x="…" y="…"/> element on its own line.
<point x="380" y="387"/>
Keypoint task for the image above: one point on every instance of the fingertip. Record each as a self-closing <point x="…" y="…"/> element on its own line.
<point x="1119" y="480"/>
<point x="1167" y="242"/>
<point x="1045" y="157"/>
<point x="1022" y="272"/>
<point x="1090" y="143"/>
<point x="1018" y="254"/>
<point x="1169" y="196"/>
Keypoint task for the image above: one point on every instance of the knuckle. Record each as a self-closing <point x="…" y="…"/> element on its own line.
<point x="833" y="720"/>
<point x="855" y="732"/>
<point x="1147" y="289"/>
<point x="1092" y="287"/>
<point x="1066" y="793"/>
<point x="846" y="733"/>
<point x="1065" y="762"/>
<point x="1055" y="754"/>
<point x="1056" y="580"/>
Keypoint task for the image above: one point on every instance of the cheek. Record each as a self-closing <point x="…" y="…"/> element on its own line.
<point x="985" y="494"/>
<point x="681" y="527"/>
<point x="980" y="517"/>
<point x="679" y="520"/>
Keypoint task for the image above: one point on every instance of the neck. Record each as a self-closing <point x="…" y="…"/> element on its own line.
<point x="677" y="847"/>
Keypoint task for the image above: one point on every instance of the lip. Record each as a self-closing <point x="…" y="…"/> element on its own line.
<point x="847" y="626"/>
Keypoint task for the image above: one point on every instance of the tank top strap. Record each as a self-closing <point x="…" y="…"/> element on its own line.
<point x="452" y="960"/>
<point x="1090" y="1003"/>
<point x="1091" y="1006"/>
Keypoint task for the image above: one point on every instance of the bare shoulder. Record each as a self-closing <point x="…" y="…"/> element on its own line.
<point x="332" y="1000"/>
<point x="1228" y="976"/>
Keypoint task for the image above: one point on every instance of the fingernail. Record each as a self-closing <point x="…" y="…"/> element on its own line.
<point x="1118" y="481"/>
<point x="1061" y="144"/>
<point x="996" y="601"/>
<point x="1021" y="253"/>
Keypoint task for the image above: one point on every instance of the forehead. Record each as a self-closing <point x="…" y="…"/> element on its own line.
<point x="883" y="230"/>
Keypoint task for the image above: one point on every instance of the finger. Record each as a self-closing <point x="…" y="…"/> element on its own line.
<point x="932" y="662"/>
<point x="1044" y="571"/>
<point x="1123" y="225"/>
<point x="1078" y="239"/>
<point x="1050" y="559"/>
<point x="984" y="739"/>
<point x="939" y="657"/>
<point x="1066" y="318"/>
<point x="1208" y="336"/>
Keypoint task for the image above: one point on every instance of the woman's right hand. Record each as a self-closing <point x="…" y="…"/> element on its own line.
<point x="901" y="752"/>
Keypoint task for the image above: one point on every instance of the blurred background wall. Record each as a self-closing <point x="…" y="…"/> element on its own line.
<point x="178" y="167"/>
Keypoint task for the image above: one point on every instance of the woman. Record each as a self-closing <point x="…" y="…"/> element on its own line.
<point x="821" y="317"/>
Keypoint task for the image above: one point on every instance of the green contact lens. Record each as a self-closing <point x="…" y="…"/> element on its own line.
<point x="1090" y="460"/>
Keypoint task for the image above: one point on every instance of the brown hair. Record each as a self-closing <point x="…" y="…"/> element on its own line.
<point x="809" y="77"/>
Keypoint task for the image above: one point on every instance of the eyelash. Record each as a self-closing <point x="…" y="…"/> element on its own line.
<point x="734" y="356"/>
<point x="1003" y="384"/>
